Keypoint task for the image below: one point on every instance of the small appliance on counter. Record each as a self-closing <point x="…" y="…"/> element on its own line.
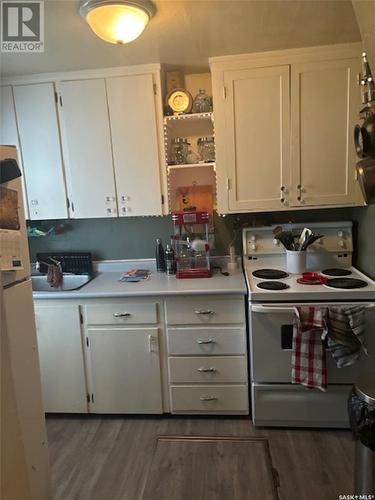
<point x="190" y="242"/>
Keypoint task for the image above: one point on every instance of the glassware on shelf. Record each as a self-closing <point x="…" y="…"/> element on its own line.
<point x="192" y="157"/>
<point x="206" y="149"/>
<point x="179" y="150"/>
<point x="202" y="102"/>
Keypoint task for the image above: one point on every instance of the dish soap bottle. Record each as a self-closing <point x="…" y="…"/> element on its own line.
<point x="160" y="256"/>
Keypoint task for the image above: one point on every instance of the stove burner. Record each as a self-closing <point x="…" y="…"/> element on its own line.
<point x="270" y="274"/>
<point x="272" y="285"/>
<point x="346" y="283"/>
<point x="333" y="271"/>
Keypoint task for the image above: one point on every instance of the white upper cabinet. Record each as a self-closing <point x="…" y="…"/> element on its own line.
<point x="255" y="141"/>
<point x="9" y="132"/>
<point x="284" y="128"/>
<point x="87" y="148"/>
<point x="132" y="112"/>
<point x="324" y="108"/>
<point x="41" y="153"/>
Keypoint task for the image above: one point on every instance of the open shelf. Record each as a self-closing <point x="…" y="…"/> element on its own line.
<point x="189" y="117"/>
<point x="195" y="182"/>
<point x="191" y="165"/>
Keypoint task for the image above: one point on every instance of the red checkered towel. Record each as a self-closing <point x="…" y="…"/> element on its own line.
<point x="308" y="356"/>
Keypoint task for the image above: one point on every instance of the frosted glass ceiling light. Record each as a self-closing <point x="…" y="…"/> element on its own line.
<point x="117" y="21"/>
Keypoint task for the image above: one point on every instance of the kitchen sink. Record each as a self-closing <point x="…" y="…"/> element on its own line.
<point x="69" y="282"/>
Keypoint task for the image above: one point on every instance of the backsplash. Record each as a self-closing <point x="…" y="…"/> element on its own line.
<point x="134" y="237"/>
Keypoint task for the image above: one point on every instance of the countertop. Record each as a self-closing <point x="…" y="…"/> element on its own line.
<point x="106" y="284"/>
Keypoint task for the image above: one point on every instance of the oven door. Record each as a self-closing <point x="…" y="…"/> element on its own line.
<point x="271" y="334"/>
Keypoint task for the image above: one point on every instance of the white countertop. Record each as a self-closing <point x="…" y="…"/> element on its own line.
<point x="106" y="284"/>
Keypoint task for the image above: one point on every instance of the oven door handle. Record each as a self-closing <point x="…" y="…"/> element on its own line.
<point x="272" y="309"/>
<point x="279" y="309"/>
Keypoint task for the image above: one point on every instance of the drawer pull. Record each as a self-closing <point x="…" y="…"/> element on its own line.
<point x="121" y="315"/>
<point x="209" y="341"/>
<point x="208" y="398"/>
<point x="206" y="370"/>
<point x="205" y="312"/>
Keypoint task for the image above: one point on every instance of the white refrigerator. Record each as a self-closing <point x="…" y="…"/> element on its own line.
<point x="25" y="470"/>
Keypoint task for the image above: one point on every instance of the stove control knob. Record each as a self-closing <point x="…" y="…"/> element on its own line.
<point x="253" y="246"/>
<point x="341" y="243"/>
<point x="253" y="237"/>
<point x="340" y="234"/>
<point x="276" y="241"/>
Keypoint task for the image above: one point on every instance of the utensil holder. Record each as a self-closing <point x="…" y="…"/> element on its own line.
<point x="295" y="261"/>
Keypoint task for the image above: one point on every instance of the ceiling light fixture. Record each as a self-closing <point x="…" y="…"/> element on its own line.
<point x="117" y="21"/>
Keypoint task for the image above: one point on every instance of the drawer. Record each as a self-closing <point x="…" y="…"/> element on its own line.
<point x="294" y="406"/>
<point x="206" y="341"/>
<point x="209" y="399"/>
<point x="206" y="370"/>
<point x="122" y="313"/>
<point x="205" y="310"/>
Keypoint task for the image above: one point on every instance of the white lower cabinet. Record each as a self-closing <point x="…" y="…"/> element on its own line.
<point x="61" y="357"/>
<point x="121" y="356"/>
<point x="207" y="365"/>
<point x="124" y="370"/>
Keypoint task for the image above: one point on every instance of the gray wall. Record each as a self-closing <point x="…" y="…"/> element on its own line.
<point x="134" y="237"/>
<point x="365" y="257"/>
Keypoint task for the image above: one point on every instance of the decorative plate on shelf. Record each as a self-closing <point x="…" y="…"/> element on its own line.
<point x="180" y="101"/>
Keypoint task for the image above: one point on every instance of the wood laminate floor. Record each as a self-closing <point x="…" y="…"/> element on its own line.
<point x="108" y="458"/>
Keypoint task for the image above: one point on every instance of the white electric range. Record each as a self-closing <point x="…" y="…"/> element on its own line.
<point x="273" y="295"/>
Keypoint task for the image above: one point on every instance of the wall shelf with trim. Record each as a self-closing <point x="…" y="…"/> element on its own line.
<point x="192" y="165"/>
<point x="190" y="184"/>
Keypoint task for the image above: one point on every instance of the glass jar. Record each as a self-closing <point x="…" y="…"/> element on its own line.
<point x="206" y="149"/>
<point x="202" y="102"/>
<point x="179" y="150"/>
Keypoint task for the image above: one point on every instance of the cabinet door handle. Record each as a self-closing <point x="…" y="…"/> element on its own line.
<point x="206" y="312"/>
<point x="208" y="398"/>
<point x="121" y="315"/>
<point x="209" y="341"/>
<point x="206" y="370"/>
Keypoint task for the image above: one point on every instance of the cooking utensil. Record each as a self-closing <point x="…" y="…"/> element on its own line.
<point x="311" y="239"/>
<point x="366" y="178"/>
<point x="305" y="235"/>
<point x="287" y="239"/>
<point x="364" y="138"/>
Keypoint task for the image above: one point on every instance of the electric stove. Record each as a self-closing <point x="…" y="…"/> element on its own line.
<point x="274" y="293"/>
